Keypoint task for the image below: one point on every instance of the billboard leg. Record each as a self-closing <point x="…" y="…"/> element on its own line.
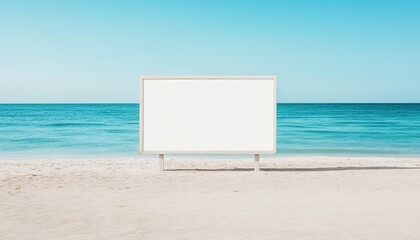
<point x="257" y="162"/>
<point x="161" y="161"/>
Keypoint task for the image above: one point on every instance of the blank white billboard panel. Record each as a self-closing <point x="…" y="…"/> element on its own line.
<point x="206" y="114"/>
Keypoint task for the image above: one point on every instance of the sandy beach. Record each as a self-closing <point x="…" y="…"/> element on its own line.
<point x="291" y="198"/>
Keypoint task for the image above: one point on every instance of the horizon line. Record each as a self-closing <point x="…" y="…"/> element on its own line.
<point x="63" y="103"/>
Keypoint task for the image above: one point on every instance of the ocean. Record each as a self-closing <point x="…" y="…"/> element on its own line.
<point x="111" y="130"/>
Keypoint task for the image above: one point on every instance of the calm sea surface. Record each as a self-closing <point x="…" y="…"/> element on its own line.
<point x="61" y="130"/>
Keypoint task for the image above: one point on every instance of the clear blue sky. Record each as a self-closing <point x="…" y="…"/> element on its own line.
<point x="321" y="51"/>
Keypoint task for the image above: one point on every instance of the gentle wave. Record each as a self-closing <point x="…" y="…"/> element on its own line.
<point x="74" y="124"/>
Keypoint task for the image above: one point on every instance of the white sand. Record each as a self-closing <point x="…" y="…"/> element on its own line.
<point x="296" y="198"/>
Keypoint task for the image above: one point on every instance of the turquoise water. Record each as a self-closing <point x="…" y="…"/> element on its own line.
<point x="61" y="130"/>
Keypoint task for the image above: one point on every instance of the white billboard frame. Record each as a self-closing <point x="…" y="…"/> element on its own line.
<point x="205" y="77"/>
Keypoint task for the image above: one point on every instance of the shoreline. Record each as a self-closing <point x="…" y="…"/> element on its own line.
<point x="199" y="157"/>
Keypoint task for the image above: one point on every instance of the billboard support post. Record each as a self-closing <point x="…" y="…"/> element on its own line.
<point x="161" y="163"/>
<point x="257" y="162"/>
